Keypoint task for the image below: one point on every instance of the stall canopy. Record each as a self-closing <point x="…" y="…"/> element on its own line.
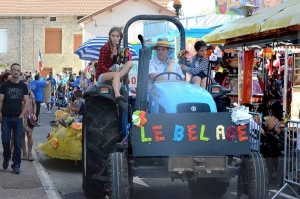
<point x="268" y="19"/>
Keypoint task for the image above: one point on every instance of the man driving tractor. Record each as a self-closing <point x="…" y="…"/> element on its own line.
<point x="162" y="63"/>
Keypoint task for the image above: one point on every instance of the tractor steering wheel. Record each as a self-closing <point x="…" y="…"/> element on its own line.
<point x="167" y="73"/>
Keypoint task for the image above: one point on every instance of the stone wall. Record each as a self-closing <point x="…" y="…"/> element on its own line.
<point x="33" y="40"/>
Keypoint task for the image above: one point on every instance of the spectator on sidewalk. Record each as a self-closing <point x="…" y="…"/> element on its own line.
<point x="12" y="93"/>
<point x="29" y="123"/>
<point x="36" y="87"/>
<point x="4" y="77"/>
<point x="51" y="100"/>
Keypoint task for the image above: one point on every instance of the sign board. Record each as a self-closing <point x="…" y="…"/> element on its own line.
<point x="132" y="75"/>
<point x="190" y="134"/>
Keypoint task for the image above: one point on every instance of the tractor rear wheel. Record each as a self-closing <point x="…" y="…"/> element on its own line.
<point x="99" y="135"/>
<point x="253" y="178"/>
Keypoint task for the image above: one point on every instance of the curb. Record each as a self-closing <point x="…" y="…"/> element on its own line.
<point x="47" y="183"/>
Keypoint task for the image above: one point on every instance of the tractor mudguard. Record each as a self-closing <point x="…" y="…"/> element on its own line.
<point x="105" y="91"/>
<point x="190" y="134"/>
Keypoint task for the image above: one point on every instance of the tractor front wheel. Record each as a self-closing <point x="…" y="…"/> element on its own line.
<point x="118" y="183"/>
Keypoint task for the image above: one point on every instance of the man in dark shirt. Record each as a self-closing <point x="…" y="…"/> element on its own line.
<point x="12" y="93"/>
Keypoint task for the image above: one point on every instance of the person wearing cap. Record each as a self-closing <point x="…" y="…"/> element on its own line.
<point x="162" y="63"/>
<point x="199" y="65"/>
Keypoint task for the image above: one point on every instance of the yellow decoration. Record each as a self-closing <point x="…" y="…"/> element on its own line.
<point x="66" y="143"/>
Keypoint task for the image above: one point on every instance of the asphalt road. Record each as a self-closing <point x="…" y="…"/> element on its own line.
<point x="66" y="176"/>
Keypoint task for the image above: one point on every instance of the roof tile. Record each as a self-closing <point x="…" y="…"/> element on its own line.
<point x="57" y="7"/>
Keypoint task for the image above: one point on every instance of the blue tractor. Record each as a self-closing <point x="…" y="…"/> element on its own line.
<point x="185" y="137"/>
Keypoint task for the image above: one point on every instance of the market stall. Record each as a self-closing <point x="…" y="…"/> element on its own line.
<point x="267" y="29"/>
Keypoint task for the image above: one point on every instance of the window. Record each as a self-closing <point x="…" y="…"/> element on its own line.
<point x="3" y="40"/>
<point x="53" y="40"/>
<point x="52" y="18"/>
<point x="67" y="69"/>
<point x="77" y="41"/>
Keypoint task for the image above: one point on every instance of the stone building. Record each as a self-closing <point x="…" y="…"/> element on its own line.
<point x="30" y="26"/>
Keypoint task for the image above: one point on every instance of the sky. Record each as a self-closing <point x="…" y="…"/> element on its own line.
<point x="194" y="7"/>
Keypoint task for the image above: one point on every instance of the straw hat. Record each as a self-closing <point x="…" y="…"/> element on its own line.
<point x="162" y="42"/>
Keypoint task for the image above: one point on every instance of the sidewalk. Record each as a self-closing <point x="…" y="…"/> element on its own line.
<point x="32" y="183"/>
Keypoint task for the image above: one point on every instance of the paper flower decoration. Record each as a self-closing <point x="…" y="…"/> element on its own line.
<point x="54" y="143"/>
<point x="139" y="118"/>
<point x="59" y="113"/>
<point x="240" y="115"/>
<point x="76" y="125"/>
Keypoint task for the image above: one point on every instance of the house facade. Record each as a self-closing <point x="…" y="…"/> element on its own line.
<point x="118" y="14"/>
<point x="55" y="37"/>
<point x="30" y="26"/>
<point x="51" y="27"/>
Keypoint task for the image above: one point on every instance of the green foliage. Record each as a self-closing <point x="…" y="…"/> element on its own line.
<point x="4" y="66"/>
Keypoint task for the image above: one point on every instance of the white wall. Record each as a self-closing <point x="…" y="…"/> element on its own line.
<point x="119" y="16"/>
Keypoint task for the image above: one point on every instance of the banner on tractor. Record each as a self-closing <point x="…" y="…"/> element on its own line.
<point x="190" y="134"/>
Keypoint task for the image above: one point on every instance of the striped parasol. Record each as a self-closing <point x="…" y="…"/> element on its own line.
<point x="90" y="49"/>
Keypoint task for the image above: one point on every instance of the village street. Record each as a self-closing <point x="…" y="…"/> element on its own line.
<point x="67" y="178"/>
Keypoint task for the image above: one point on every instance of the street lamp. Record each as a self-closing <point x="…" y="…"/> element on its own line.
<point x="248" y="9"/>
<point x="177" y="5"/>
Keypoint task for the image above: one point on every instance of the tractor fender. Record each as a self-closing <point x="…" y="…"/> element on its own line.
<point x="95" y="90"/>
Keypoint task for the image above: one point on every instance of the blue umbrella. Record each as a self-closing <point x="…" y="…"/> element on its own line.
<point x="90" y="49"/>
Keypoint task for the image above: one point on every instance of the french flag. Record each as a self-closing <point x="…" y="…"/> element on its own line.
<point x="40" y="61"/>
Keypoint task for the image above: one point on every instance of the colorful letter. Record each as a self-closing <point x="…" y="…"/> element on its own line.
<point x="178" y="133"/>
<point x="231" y="133"/>
<point x="143" y="136"/>
<point x="191" y="133"/>
<point x="241" y="133"/>
<point x="220" y="132"/>
<point x="202" y="131"/>
<point x="158" y="133"/>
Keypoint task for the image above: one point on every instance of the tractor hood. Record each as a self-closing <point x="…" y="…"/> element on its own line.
<point x="170" y="94"/>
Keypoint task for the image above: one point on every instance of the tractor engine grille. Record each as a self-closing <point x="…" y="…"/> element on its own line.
<point x="193" y="108"/>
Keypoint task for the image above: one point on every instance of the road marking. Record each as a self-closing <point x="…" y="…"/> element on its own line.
<point x="283" y="194"/>
<point x="139" y="181"/>
<point x="47" y="183"/>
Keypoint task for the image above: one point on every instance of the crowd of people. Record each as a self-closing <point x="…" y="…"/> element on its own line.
<point x="21" y="96"/>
